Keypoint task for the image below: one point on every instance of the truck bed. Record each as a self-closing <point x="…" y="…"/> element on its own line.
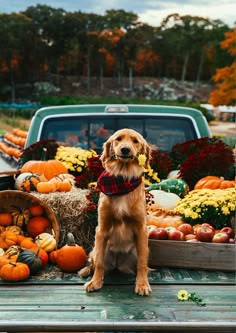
<point x="58" y="303"/>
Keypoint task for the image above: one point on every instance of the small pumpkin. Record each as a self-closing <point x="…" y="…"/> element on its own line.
<point x="46" y="187"/>
<point x="14" y="228"/>
<point x="46" y="241"/>
<point x="30" y="258"/>
<point x="165" y="200"/>
<point x="64" y="186"/>
<point x="5" y="219"/>
<point x="36" y="210"/>
<point x="29" y="243"/>
<point x="15" y="271"/>
<point x="37" y="225"/>
<point x="49" y="168"/>
<point x="214" y="182"/>
<point x="7" y="238"/>
<point x="1" y="251"/>
<point x="71" y="257"/>
<point x="20" y="178"/>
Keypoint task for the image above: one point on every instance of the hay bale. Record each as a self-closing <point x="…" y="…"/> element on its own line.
<point x="72" y="215"/>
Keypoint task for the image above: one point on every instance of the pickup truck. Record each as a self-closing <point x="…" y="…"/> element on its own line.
<point x="61" y="304"/>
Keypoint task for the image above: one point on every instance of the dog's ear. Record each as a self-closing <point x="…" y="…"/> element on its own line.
<point x="147" y="151"/>
<point x="107" y="151"/>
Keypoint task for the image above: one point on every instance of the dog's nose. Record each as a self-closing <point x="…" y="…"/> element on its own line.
<point x="125" y="150"/>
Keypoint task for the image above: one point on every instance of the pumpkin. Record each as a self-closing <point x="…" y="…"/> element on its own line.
<point x="165" y="200"/>
<point x="71" y="257"/>
<point x="46" y="187"/>
<point x="1" y="252"/>
<point x="164" y="220"/>
<point x="30" y="258"/>
<point x="53" y="257"/>
<point x="20" y="216"/>
<point x="36" y="210"/>
<point x="7" y="238"/>
<point x="37" y="225"/>
<point x="14" y="228"/>
<point x="173" y="185"/>
<point x="12" y="251"/>
<point x="5" y="219"/>
<point x="15" y="271"/>
<point x="49" y="168"/>
<point x="20" y="178"/>
<point x="29" y="243"/>
<point x="46" y="241"/>
<point x="64" y="186"/>
<point x="42" y="255"/>
<point x="30" y="182"/>
<point x="214" y="182"/>
<point x="2" y="229"/>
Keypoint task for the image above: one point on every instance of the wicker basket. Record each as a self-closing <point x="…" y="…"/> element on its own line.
<point x="9" y="198"/>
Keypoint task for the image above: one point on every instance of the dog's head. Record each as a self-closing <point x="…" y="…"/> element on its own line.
<point x="124" y="147"/>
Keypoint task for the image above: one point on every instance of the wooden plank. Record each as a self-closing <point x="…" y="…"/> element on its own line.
<point x="192" y="255"/>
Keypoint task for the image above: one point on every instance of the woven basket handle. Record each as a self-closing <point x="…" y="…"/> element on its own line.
<point x="9" y="173"/>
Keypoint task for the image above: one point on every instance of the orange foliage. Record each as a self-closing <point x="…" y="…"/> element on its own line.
<point x="145" y="59"/>
<point x="225" y="94"/>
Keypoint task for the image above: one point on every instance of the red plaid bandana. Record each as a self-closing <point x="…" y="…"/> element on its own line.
<point x="116" y="185"/>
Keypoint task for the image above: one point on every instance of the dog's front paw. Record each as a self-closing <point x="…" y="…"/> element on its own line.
<point x="93" y="285"/>
<point x="142" y="288"/>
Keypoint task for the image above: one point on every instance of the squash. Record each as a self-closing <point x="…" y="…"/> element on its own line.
<point x="37" y="224"/>
<point x="49" y="168"/>
<point x="165" y="200"/>
<point x="14" y="271"/>
<point x="29" y="243"/>
<point x="173" y="185"/>
<point x="20" y="178"/>
<point x="46" y="241"/>
<point x="30" y="258"/>
<point x="5" y="219"/>
<point x="46" y="187"/>
<point x="36" y="210"/>
<point x="14" y="228"/>
<point x="71" y="257"/>
<point x="19" y="216"/>
<point x="30" y="182"/>
<point x="214" y="182"/>
<point x="7" y="238"/>
<point x="1" y="251"/>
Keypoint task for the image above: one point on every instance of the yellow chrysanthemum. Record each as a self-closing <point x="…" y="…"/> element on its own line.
<point x="183" y="295"/>
<point x="142" y="160"/>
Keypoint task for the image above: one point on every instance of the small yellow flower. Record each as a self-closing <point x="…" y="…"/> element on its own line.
<point x="183" y="295"/>
<point x="142" y="160"/>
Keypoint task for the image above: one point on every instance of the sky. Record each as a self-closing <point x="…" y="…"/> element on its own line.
<point x="151" y="12"/>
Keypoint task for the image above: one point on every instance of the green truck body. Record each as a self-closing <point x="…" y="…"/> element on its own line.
<point x="60" y="304"/>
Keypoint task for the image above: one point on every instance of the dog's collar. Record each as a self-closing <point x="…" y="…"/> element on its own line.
<point x="116" y="185"/>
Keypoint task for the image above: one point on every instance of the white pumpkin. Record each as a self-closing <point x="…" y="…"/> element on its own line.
<point x="20" y="179"/>
<point x="165" y="200"/>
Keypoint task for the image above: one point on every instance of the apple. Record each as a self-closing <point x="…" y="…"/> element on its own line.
<point x="208" y="225"/>
<point x="194" y="240"/>
<point x="204" y="234"/>
<point x="168" y="229"/>
<point x="232" y="240"/>
<point x="186" y="228"/>
<point x="220" y="237"/>
<point x="158" y="233"/>
<point x="229" y="231"/>
<point x="175" y="235"/>
<point x="190" y="237"/>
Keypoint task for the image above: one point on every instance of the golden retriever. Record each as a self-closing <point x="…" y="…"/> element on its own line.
<point x="121" y="240"/>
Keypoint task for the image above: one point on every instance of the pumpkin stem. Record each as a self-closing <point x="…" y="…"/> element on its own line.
<point x="70" y="239"/>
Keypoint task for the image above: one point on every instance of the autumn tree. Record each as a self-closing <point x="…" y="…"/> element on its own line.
<point x="224" y="78"/>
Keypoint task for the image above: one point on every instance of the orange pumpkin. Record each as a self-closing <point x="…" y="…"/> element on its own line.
<point x="7" y="238"/>
<point x="49" y="168"/>
<point x="46" y="187"/>
<point x="29" y="243"/>
<point x="5" y="219"/>
<point x="30" y="182"/>
<point x="64" y="186"/>
<point x="214" y="182"/>
<point x="36" y="210"/>
<point x="15" y="271"/>
<point x="71" y="257"/>
<point x="37" y="225"/>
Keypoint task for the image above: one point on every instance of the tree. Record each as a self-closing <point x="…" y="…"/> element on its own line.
<point x="225" y="94"/>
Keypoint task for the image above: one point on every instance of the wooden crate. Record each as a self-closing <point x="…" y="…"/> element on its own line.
<point x="192" y="255"/>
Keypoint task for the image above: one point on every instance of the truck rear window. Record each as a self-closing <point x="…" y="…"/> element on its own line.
<point x="161" y="132"/>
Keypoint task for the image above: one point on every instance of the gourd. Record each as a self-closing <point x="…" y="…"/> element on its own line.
<point x="49" y="168"/>
<point x="29" y="243"/>
<point x="1" y="251"/>
<point x="173" y="185"/>
<point x="20" y="216"/>
<point x="7" y="238"/>
<point x="214" y="182"/>
<point x="30" y="258"/>
<point x="165" y="200"/>
<point x="14" y="271"/>
<point x="14" y="228"/>
<point x="36" y="225"/>
<point x="29" y="183"/>
<point x="46" y="187"/>
<point x="5" y="219"/>
<point x="71" y="257"/>
<point x="46" y="241"/>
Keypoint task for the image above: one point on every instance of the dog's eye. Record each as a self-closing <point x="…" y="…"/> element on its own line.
<point x="119" y="138"/>
<point x="135" y="141"/>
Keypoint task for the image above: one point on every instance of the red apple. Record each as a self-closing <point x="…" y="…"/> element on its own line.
<point x="186" y="228"/>
<point x="175" y="235"/>
<point x="194" y="240"/>
<point x="208" y="225"/>
<point x="204" y="234"/>
<point x="158" y="233"/>
<point x="229" y="231"/>
<point x="220" y="237"/>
